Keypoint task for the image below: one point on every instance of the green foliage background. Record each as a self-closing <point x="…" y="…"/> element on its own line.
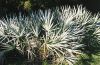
<point x="25" y="6"/>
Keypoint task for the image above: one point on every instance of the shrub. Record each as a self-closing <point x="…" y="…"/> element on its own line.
<point x="56" y="37"/>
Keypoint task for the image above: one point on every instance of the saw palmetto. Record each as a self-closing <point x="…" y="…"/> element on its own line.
<point x="43" y="36"/>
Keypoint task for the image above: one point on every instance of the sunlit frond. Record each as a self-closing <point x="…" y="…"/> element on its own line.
<point x="43" y="35"/>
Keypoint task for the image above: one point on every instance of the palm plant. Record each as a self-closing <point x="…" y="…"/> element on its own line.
<point x="44" y="37"/>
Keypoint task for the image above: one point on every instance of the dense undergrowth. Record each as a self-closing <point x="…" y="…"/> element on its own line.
<point x="59" y="37"/>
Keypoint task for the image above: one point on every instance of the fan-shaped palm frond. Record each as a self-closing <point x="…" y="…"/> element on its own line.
<point x="41" y="37"/>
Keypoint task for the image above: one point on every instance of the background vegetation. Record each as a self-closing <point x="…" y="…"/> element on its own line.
<point x="15" y="6"/>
